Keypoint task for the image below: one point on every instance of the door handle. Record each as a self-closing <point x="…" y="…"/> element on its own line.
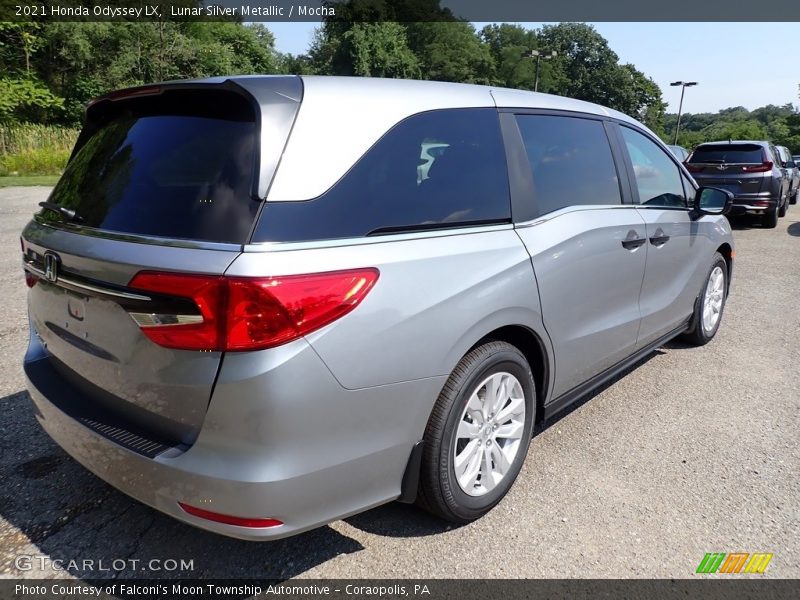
<point x="660" y="238"/>
<point x="633" y="241"/>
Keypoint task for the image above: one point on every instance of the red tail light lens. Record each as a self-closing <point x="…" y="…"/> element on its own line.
<point x="30" y="279"/>
<point x="229" y="519"/>
<point x="272" y="311"/>
<point x="208" y="294"/>
<point x="247" y="313"/>
<point x="762" y="168"/>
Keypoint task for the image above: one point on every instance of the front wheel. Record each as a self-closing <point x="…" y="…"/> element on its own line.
<point x="478" y="433"/>
<point x="795" y="196"/>
<point x="710" y="304"/>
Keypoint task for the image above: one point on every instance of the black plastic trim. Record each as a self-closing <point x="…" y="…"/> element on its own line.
<point x="116" y="424"/>
<point x="410" y="484"/>
<point x="567" y="398"/>
<point x="520" y="178"/>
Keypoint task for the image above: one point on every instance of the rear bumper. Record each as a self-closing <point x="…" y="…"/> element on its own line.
<point x="281" y="439"/>
<point x="753" y="204"/>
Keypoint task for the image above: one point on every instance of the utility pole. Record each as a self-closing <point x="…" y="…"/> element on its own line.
<point x="684" y="85"/>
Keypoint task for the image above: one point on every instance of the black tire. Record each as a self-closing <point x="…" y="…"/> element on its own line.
<point x="697" y="334"/>
<point x="770" y="219"/>
<point x="784" y="207"/>
<point x="439" y="490"/>
<point x="794" y="198"/>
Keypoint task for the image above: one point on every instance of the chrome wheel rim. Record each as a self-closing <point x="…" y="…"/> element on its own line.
<point x="489" y="434"/>
<point x="712" y="302"/>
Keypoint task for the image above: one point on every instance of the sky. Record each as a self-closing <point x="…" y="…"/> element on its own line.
<point x="735" y="64"/>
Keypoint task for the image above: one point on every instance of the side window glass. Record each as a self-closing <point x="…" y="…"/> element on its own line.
<point x="571" y="162"/>
<point x="658" y="178"/>
<point x="444" y="168"/>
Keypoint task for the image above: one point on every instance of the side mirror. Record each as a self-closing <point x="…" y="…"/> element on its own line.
<point x="713" y="201"/>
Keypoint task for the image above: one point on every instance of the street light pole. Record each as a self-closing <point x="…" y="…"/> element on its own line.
<point x="539" y="55"/>
<point x="536" y="80"/>
<point x="683" y="85"/>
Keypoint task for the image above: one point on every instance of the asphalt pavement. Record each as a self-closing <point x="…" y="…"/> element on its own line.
<point x="694" y="450"/>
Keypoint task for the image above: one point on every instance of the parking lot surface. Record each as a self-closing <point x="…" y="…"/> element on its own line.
<point x="695" y="450"/>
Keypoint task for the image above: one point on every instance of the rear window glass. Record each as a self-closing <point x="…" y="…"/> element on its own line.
<point x="177" y="165"/>
<point x="434" y="170"/>
<point x="732" y="153"/>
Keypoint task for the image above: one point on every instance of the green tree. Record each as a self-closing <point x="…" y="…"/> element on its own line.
<point x="78" y="61"/>
<point x="380" y="50"/>
<point x="26" y="99"/>
<point x="451" y="51"/>
<point x="585" y="68"/>
<point x="507" y="43"/>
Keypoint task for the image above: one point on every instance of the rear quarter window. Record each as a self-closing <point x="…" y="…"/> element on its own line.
<point x="434" y="170"/>
<point x="176" y="165"/>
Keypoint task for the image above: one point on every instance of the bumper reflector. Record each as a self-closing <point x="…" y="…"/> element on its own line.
<point x="228" y="519"/>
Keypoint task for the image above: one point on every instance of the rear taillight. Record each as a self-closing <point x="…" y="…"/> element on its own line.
<point x="250" y="313"/>
<point x="762" y="168"/>
<point x="30" y="279"/>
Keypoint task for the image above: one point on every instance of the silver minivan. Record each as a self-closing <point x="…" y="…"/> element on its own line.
<point x="248" y="310"/>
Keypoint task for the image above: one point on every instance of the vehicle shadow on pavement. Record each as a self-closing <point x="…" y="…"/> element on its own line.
<point x="794" y="229"/>
<point x="743" y="223"/>
<point x="400" y="520"/>
<point x="55" y="509"/>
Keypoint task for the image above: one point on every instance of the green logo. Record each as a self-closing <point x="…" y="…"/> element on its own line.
<point x="737" y="562"/>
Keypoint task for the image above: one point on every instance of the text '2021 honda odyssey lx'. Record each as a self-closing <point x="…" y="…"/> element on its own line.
<point x="249" y="311"/>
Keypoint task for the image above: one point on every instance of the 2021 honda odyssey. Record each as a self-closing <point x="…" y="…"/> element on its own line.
<point x="249" y="311"/>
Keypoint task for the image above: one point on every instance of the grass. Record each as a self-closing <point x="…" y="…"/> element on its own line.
<point x="25" y="180"/>
<point x="32" y="149"/>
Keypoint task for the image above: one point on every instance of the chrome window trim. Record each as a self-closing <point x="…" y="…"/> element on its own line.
<point x="377" y="239"/>
<point x="575" y="208"/>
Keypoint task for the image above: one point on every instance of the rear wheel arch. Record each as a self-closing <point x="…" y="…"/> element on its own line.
<point x="533" y="348"/>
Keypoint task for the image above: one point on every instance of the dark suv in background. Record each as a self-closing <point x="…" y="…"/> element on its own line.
<point x="751" y="170"/>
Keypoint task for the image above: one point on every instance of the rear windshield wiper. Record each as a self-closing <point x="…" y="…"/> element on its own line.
<point x="68" y="213"/>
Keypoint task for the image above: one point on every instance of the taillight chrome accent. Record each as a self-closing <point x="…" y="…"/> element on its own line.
<point x="157" y="320"/>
